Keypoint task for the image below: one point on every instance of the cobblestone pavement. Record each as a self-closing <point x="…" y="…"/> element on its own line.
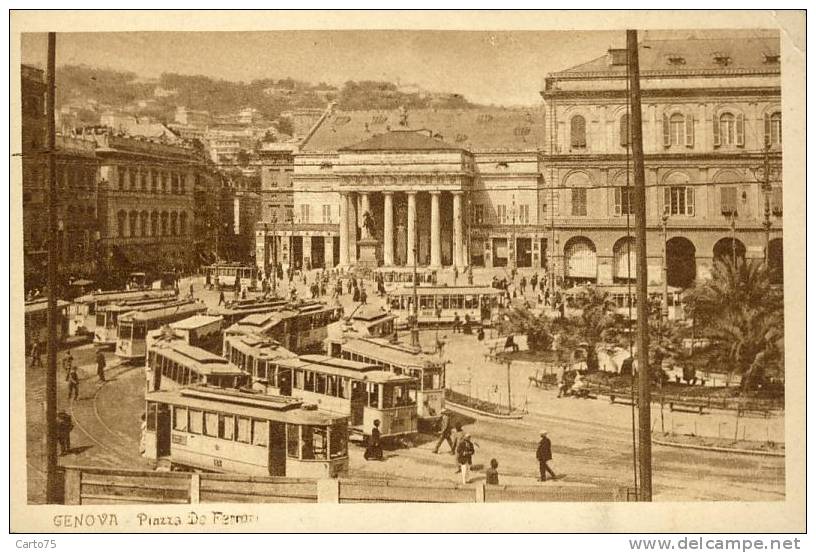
<point x="592" y="440"/>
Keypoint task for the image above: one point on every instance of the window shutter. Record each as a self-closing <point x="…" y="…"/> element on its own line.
<point x="666" y="131"/>
<point x="740" y="130"/>
<point x="767" y="129"/>
<point x="624" y="130"/>
<point x="716" y="121"/>
<point x="667" y="199"/>
<point x="618" y="199"/>
<point x="728" y="200"/>
<point x="689" y="130"/>
<point x="690" y="200"/>
<point x="776" y="201"/>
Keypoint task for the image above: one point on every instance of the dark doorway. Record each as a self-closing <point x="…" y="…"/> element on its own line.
<point x="285" y="382"/>
<point x="277" y="448"/>
<point x="336" y="250"/>
<point x="318" y="252"/>
<point x="297" y="252"/>
<point x="681" y="263"/>
<point x="163" y="430"/>
<point x="524" y="252"/>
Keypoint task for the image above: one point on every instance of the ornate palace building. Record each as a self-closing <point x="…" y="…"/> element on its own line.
<point x="545" y="188"/>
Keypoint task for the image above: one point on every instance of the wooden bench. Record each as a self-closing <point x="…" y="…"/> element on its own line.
<point x="687" y="407"/>
<point x="765" y="413"/>
<point x="622" y="400"/>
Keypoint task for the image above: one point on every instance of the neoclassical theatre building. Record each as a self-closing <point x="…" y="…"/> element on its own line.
<point x="545" y="187"/>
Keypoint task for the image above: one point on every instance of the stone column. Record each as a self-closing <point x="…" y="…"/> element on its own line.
<point x="411" y="232"/>
<point x="352" y="230"/>
<point x="388" y="228"/>
<point x="457" y="229"/>
<point x="364" y="208"/>
<point x="436" y="249"/>
<point x="344" y="230"/>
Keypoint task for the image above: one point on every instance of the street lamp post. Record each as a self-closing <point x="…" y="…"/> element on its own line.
<point x="665" y="305"/>
<point x="734" y="238"/>
<point x="764" y="174"/>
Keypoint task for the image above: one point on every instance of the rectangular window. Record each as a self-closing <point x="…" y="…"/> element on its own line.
<point x="292" y="440"/>
<point x="478" y="214"/>
<point x="290" y="214"/>
<point x="196" y="421"/>
<point x="320" y="384"/>
<point x="121" y="177"/>
<point x="180" y="419"/>
<point x="327" y="214"/>
<point x="579" y="201"/>
<point x="524" y="214"/>
<point x="304" y="213"/>
<point x="623" y="201"/>
<point x="728" y="200"/>
<point x="244" y="430"/>
<point x="150" y="423"/>
<point x="211" y="424"/>
<point x="260" y="432"/>
<point x="679" y="200"/>
<point x="501" y="212"/>
<point x="226" y="427"/>
<point x="309" y="381"/>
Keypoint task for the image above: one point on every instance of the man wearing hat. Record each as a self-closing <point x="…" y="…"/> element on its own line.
<point x="544" y="454"/>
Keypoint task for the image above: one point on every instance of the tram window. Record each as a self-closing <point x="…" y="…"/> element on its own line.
<point x="292" y="439"/>
<point x="139" y="332"/>
<point x="331" y="389"/>
<point x="260" y="432"/>
<point x="196" y="421"/>
<point x="124" y="331"/>
<point x="226" y="427"/>
<point x="430" y="380"/>
<point x="412" y="396"/>
<point x="320" y="386"/>
<point x="151" y="417"/>
<point x="388" y="397"/>
<point x="315" y="440"/>
<point x="261" y="370"/>
<point x="338" y="441"/>
<point x="180" y="419"/>
<point x="309" y="381"/>
<point x="211" y="424"/>
<point x="470" y="302"/>
<point x="372" y="398"/>
<point x="343" y="387"/>
<point x="193" y="377"/>
<point x="445" y="302"/>
<point x="404" y="396"/>
<point x="426" y="302"/>
<point x="299" y="380"/>
<point x="244" y="430"/>
<point x="100" y="319"/>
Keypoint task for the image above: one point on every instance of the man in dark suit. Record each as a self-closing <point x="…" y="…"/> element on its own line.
<point x="445" y="433"/>
<point x="544" y="454"/>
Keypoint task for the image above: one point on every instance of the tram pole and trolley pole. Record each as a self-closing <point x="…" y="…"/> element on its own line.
<point x="415" y="326"/>
<point x="644" y="374"/>
<point x="52" y="489"/>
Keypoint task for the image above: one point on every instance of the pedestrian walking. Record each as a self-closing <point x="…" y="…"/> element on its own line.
<point x="444" y="433"/>
<point x="455" y="274"/>
<point x="464" y="456"/>
<point x="544" y="455"/>
<point x="492" y="474"/>
<point x="374" y="448"/>
<point x="73" y="384"/>
<point x="100" y="365"/>
<point x="36" y="357"/>
<point x="363" y="295"/>
<point x="191" y="290"/>
<point x="458" y="433"/>
<point x="221" y="300"/>
<point x="64" y="427"/>
<point x="68" y="363"/>
<point x="457" y="323"/>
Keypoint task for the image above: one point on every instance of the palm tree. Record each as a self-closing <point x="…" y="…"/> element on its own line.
<point x="742" y="315"/>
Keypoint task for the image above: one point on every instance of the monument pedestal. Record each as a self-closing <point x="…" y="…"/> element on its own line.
<point x="368" y="253"/>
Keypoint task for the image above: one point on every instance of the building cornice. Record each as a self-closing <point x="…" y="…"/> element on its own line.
<point x="646" y="93"/>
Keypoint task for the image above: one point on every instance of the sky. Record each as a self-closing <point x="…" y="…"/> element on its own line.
<point x="503" y="68"/>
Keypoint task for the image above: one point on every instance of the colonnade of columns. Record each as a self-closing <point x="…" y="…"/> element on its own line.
<point x="351" y="220"/>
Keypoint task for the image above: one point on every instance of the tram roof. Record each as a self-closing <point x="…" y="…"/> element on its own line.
<point x="196" y="321"/>
<point x="41" y="305"/>
<point x="343" y="367"/>
<point x="385" y="351"/>
<point x="139" y="304"/>
<point x="620" y="289"/>
<point x="113" y="295"/>
<point x="259" y="346"/>
<point x="200" y="359"/>
<point x="259" y="406"/>
<point x="164" y="310"/>
<point x="371" y="313"/>
<point x="465" y="290"/>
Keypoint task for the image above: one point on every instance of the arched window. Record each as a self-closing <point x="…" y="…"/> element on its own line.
<point x="678" y="130"/>
<point x="164" y="223"/>
<point x="577" y="184"/>
<point x="173" y="224"/>
<point x="677" y="125"/>
<point x="773" y="128"/>
<point x="154" y="223"/>
<point x="143" y="223"/>
<point x="624" y="130"/>
<point x="121" y="217"/>
<point x="132" y="217"/>
<point x="678" y="199"/>
<point x="578" y="132"/>
<point x="729" y="130"/>
<point x="183" y="223"/>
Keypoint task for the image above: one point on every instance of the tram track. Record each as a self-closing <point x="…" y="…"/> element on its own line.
<point x="117" y="451"/>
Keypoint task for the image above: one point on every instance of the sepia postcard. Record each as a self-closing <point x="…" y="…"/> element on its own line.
<point x="289" y="271"/>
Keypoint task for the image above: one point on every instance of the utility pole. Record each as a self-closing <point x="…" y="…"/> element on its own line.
<point x="51" y="491"/>
<point x="513" y="235"/>
<point x="415" y="326"/>
<point x="644" y="373"/>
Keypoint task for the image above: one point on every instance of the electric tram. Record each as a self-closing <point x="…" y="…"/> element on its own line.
<point x="172" y="363"/>
<point x="220" y="430"/>
<point x="440" y="304"/>
<point x="106" y="330"/>
<point x="256" y="356"/>
<point x="228" y="275"/>
<point x="299" y="327"/>
<point x="134" y="326"/>
<point x="400" y="359"/>
<point x="82" y="311"/>
<point x="237" y="310"/>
